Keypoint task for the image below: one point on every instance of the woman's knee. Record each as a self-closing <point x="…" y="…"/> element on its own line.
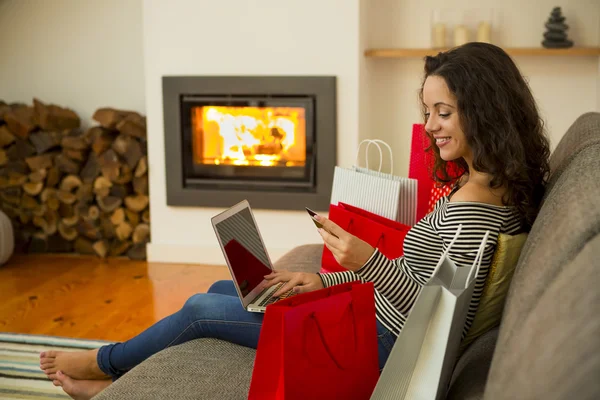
<point x="199" y="305"/>
<point x="220" y="287"/>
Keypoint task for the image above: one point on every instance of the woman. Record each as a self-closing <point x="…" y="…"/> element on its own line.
<point x="480" y="115"/>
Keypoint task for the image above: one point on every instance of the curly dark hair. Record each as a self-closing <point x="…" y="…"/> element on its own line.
<point x="500" y="120"/>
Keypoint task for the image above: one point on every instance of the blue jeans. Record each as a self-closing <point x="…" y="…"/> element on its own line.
<point x="217" y="314"/>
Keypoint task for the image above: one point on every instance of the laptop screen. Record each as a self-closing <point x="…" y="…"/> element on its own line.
<point x="243" y="246"/>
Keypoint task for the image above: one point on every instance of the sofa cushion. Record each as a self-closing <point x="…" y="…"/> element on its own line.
<point x="581" y="134"/>
<point x="497" y="283"/>
<point x="196" y="370"/>
<point x="569" y="217"/>
<point x="556" y="355"/>
<point x="471" y="370"/>
<point x="305" y="258"/>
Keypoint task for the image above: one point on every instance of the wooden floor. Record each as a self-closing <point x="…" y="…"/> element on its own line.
<point x="85" y="297"/>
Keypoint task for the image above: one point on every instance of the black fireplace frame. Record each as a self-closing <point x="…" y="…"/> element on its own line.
<point x="185" y="192"/>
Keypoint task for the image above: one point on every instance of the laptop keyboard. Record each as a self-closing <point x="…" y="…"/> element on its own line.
<point x="272" y="299"/>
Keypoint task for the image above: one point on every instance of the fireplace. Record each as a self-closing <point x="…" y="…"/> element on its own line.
<point x="271" y="140"/>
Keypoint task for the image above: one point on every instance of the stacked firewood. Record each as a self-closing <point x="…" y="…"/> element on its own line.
<point x="72" y="190"/>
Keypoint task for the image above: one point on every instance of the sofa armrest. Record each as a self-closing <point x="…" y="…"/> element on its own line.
<point x="305" y="258"/>
<point x="471" y="370"/>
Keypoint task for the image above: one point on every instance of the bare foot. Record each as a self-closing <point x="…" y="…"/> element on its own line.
<point x="80" y="389"/>
<point x="75" y="364"/>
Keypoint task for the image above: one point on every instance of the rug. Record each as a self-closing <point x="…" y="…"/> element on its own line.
<point x="20" y="374"/>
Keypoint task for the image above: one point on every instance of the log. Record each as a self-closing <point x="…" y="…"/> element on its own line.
<point x="137" y="252"/>
<point x="24" y="217"/>
<point x="141" y="234"/>
<point x="66" y="197"/>
<point x="71" y="220"/>
<point x="50" y="199"/>
<point x="53" y="117"/>
<point x="118" y="248"/>
<point x="70" y="183"/>
<point x="15" y="179"/>
<point x="54" y="176"/>
<point x="75" y="155"/>
<point x="93" y="213"/>
<point x="109" y="203"/>
<point x="124" y="176"/>
<point x="11" y="195"/>
<point x="91" y="169"/>
<point x="19" y="167"/>
<point x="38" y="176"/>
<point x="33" y="188"/>
<point x="40" y="162"/>
<point x="102" y="140"/>
<point x="20" y="121"/>
<point x="109" y="117"/>
<point x="6" y="136"/>
<point x="101" y="248"/>
<point x="102" y="186"/>
<point x="136" y="203"/>
<point x="67" y="232"/>
<point x="75" y="142"/>
<point x="140" y="185"/>
<point x="45" y="141"/>
<point x="20" y="149"/>
<point x="132" y="217"/>
<point x="3" y="157"/>
<point x="133" y="125"/>
<point x="48" y="223"/>
<point x="119" y="191"/>
<point x="85" y="193"/>
<point x="123" y="231"/>
<point x="146" y="216"/>
<point x="107" y="228"/>
<point x="67" y="210"/>
<point x="28" y="202"/>
<point x="40" y="211"/>
<point x="128" y="148"/>
<point x="66" y="165"/>
<point x="89" y="229"/>
<point x="118" y="216"/>
<point x="84" y="246"/>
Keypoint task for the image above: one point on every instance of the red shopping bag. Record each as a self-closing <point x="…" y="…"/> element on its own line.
<point x="318" y="345"/>
<point x="382" y="233"/>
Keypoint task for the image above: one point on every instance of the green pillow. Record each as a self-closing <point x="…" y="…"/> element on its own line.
<point x="491" y="305"/>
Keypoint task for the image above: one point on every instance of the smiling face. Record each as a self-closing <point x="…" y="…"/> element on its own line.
<point x="443" y="123"/>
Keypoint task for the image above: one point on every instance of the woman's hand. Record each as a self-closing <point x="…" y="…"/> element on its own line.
<point x="300" y="282"/>
<point x="348" y="250"/>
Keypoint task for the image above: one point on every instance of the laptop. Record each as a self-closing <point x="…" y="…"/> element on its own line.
<point x="246" y="257"/>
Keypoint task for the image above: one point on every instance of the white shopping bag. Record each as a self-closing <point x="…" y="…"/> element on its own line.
<point x="422" y="359"/>
<point x="384" y="194"/>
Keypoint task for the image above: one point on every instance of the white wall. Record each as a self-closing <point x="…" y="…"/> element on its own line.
<point x="233" y="37"/>
<point x="80" y="54"/>
<point x="565" y="87"/>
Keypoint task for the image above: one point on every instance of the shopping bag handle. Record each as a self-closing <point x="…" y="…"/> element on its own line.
<point x="312" y="317"/>
<point x="376" y="141"/>
<point x="478" y="259"/>
<point x="445" y="253"/>
<point x="369" y="142"/>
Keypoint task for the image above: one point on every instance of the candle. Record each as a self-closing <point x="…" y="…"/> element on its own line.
<point x="461" y="35"/>
<point x="484" y="32"/>
<point x="439" y="36"/>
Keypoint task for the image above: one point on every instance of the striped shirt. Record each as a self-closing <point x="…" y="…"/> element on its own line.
<point x="398" y="282"/>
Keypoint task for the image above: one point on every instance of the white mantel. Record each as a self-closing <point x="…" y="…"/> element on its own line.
<point x="232" y="37"/>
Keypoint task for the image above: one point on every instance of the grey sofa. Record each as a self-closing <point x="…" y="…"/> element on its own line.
<point x="546" y="347"/>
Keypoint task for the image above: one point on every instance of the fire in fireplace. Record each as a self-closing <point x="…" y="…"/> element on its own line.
<point x="270" y="140"/>
<point x="249" y="136"/>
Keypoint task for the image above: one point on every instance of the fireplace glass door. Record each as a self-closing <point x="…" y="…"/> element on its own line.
<point x="241" y="141"/>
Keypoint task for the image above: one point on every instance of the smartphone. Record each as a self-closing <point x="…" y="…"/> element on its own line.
<point x="317" y="223"/>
